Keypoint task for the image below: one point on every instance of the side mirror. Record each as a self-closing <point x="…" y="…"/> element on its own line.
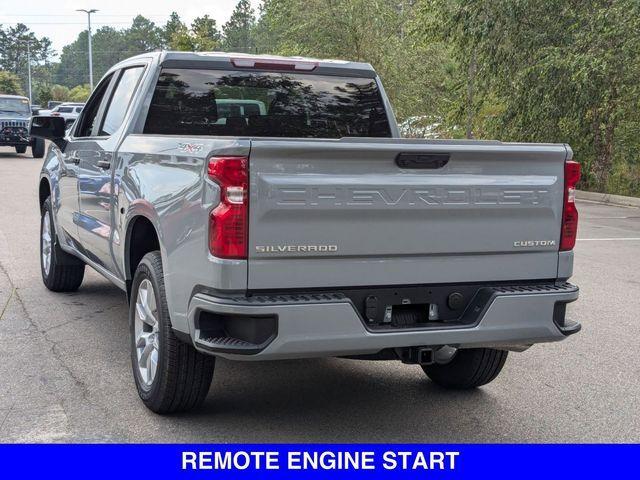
<point x="48" y="128"/>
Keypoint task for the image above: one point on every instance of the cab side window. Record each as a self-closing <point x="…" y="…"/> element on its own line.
<point x="90" y="113"/>
<point x="120" y="100"/>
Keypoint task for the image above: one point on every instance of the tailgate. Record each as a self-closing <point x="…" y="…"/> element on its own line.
<point x="338" y="213"/>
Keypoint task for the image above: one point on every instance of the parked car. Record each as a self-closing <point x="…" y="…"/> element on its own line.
<point x="302" y="225"/>
<point x="15" y="112"/>
<point x="68" y="111"/>
<point x="51" y="104"/>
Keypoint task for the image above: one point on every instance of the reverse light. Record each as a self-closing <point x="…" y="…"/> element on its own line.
<point x="569" y="230"/>
<point x="228" y="222"/>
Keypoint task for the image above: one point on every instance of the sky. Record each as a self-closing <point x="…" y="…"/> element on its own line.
<point x="58" y="19"/>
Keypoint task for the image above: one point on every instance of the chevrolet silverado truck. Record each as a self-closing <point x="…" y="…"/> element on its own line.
<point x="15" y="113"/>
<point x="258" y="208"/>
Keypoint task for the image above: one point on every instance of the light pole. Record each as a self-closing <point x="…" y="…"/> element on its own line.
<point x="29" y="71"/>
<point x="89" y="12"/>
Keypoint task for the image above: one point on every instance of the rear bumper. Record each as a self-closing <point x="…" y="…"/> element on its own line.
<point x="319" y="325"/>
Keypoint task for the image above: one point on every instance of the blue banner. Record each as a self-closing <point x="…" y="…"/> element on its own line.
<point x="332" y="461"/>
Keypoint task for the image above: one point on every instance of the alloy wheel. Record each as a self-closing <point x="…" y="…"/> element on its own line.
<point x="46" y="243"/>
<point x="146" y="332"/>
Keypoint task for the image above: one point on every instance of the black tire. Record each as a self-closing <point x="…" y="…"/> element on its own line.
<point x="470" y="368"/>
<point x="21" y="148"/>
<point x="183" y="375"/>
<point x="65" y="272"/>
<point x="37" y="148"/>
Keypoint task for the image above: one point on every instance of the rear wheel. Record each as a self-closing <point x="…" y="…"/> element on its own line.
<point x="37" y="148"/>
<point x="61" y="271"/>
<point x="170" y="375"/>
<point x="21" y="148"/>
<point x="469" y="368"/>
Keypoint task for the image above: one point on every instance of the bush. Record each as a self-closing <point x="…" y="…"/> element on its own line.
<point x="79" y="93"/>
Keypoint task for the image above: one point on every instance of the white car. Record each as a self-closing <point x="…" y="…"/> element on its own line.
<point x="68" y="111"/>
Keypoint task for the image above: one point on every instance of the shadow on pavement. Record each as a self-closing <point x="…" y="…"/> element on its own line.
<point x="332" y="400"/>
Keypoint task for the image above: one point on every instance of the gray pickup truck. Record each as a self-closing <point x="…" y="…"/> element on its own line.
<point x="258" y="208"/>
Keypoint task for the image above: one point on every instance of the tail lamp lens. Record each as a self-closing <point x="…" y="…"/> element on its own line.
<point x="570" y="212"/>
<point x="228" y="222"/>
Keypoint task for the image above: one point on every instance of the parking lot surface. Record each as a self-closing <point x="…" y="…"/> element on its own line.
<point x="65" y="372"/>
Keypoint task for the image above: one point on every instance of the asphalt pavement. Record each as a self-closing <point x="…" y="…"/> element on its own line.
<point x="65" y="372"/>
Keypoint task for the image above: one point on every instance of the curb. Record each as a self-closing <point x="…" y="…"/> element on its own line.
<point x="608" y="198"/>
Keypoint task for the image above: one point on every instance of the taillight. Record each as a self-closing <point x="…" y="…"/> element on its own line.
<point x="228" y="228"/>
<point x="570" y="212"/>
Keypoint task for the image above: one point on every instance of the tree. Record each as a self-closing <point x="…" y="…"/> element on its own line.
<point x="201" y="37"/>
<point x="142" y="36"/>
<point x="74" y="63"/>
<point x="205" y="33"/>
<point x="109" y="47"/>
<point x="13" y="53"/>
<point x="43" y="94"/>
<point x="173" y="29"/>
<point x="237" y="31"/>
<point x="10" y="84"/>
<point x="558" y="71"/>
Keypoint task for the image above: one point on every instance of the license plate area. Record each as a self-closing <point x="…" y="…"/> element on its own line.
<point x="399" y="315"/>
<point x="420" y="307"/>
<point x="407" y="315"/>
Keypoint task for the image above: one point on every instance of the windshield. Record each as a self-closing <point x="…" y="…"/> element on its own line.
<point x="15" y="105"/>
<point x="235" y="103"/>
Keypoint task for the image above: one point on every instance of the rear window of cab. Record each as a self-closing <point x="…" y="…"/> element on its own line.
<point x="265" y="104"/>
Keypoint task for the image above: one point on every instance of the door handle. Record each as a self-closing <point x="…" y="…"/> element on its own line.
<point x="73" y="158"/>
<point x="422" y="160"/>
<point x="105" y="161"/>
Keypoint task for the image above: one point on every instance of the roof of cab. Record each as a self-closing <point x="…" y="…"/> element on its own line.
<point x="223" y="60"/>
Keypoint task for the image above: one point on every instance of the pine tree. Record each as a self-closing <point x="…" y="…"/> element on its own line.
<point x="238" y="35"/>
<point x="205" y="33"/>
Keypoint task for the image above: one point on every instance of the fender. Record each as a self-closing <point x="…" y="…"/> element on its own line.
<point x="50" y="173"/>
<point x="138" y="208"/>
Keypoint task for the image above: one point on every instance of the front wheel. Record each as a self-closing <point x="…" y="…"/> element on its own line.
<point x="61" y="271"/>
<point x="469" y="368"/>
<point x="170" y="375"/>
<point x="21" y="148"/>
